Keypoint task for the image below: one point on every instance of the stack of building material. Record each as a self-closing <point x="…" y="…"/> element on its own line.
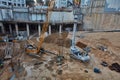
<point x="81" y="45"/>
<point x="115" y="67"/>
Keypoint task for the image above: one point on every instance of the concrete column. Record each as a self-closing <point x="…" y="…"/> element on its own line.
<point x="2" y="28"/>
<point x="16" y="28"/>
<point x="60" y="29"/>
<point x="10" y="28"/>
<point x="28" y="30"/>
<point x="39" y="29"/>
<point x="49" y="29"/>
<point x="73" y="37"/>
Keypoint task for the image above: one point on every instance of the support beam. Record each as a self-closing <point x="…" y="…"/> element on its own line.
<point x="73" y="37"/>
<point x="10" y="28"/>
<point x="60" y="28"/>
<point x="16" y="28"/>
<point x="39" y="29"/>
<point x="2" y="28"/>
<point x="28" y="30"/>
<point x="49" y="29"/>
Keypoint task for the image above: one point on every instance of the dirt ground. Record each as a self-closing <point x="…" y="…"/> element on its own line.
<point x="111" y="40"/>
<point x="48" y="67"/>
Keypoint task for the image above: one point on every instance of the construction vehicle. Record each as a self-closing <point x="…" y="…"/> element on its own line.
<point x="75" y="51"/>
<point x="32" y="48"/>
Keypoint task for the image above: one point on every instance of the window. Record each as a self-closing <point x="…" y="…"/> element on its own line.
<point x="23" y="5"/>
<point x="18" y="4"/>
<point x="14" y="4"/>
<point x="9" y="4"/>
<point x="5" y="3"/>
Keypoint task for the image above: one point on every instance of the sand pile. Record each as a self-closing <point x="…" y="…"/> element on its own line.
<point x="59" y="39"/>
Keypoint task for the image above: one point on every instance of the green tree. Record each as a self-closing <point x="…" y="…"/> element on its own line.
<point x="30" y="3"/>
<point x="40" y="1"/>
<point x="47" y="2"/>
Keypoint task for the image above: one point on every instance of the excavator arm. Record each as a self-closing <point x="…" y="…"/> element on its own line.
<point x="46" y="24"/>
<point x="44" y="29"/>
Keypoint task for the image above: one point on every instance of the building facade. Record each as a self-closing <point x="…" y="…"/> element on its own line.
<point x="15" y="3"/>
<point x="17" y="18"/>
<point x="30" y="19"/>
<point x="61" y="3"/>
<point x="101" y="15"/>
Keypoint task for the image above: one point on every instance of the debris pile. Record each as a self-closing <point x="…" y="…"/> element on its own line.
<point x="81" y="45"/>
<point x="56" y="37"/>
<point x="115" y="66"/>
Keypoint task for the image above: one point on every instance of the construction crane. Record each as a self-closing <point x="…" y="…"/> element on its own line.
<point x="32" y="48"/>
<point x="75" y="51"/>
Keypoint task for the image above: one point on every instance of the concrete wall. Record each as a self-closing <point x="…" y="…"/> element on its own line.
<point x="20" y="9"/>
<point x="24" y="14"/>
<point x="38" y="17"/>
<point x="104" y="21"/>
<point x="61" y="17"/>
<point x="60" y="3"/>
<point x="0" y="15"/>
<point x="21" y="16"/>
<point x="6" y="14"/>
<point x="97" y="18"/>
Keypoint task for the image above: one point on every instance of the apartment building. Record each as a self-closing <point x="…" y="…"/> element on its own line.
<point x="15" y="3"/>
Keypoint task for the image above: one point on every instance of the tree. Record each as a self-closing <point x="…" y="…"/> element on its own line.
<point x="30" y="3"/>
<point x="47" y="2"/>
<point x="40" y="2"/>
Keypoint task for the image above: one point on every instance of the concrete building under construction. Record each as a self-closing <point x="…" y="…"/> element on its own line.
<point x="59" y="40"/>
<point x="15" y="18"/>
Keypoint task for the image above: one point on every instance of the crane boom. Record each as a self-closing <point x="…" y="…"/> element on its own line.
<point x="45" y="25"/>
<point x="32" y="48"/>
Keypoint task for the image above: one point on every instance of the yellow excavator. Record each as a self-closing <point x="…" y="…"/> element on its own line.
<point x="32" y="48"/>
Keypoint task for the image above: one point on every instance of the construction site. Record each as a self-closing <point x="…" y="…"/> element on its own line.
<point x="65" y="40"/>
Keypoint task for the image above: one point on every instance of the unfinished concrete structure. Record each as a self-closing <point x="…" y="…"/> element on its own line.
<point x="17" y="17"/>
<point x="15" y="3"/>
<point x="97" y="17"/>
<point x="54" y="61"/>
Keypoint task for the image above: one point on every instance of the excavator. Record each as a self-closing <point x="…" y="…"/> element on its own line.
<point x="32" y="48"/>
